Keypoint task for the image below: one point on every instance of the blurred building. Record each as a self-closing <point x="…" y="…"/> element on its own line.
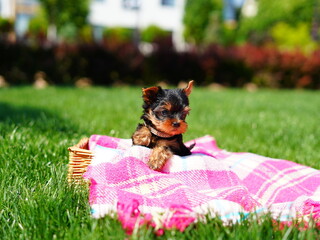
<point x="134" y="14"/>
<point x="139" y="14"/>
<point x="21" y="11"/>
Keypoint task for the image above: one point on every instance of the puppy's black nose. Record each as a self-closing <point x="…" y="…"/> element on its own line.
<point x="176" y="124"/>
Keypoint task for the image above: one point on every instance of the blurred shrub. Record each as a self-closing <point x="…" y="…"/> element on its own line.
<point x="103" y="64"/>
<point x="153" y="33"/>
<point x="86" y="34"/>
<point x="225" y="66"/>
<point x="119" y="34"/>
<point x="19" y="63"/>
<point x="287" y="37"/>
<point x="282" y="69"/>
<point x="166" y="64"/>
<point x="6" y="25"/>
<point x="108" y="63"/>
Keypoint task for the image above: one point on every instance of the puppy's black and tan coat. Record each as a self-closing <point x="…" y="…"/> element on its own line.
<point x="164" y="114"/>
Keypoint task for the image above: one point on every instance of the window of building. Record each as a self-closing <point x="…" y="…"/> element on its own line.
<point x="169" y="3"/>
<point x="131" y="4"/>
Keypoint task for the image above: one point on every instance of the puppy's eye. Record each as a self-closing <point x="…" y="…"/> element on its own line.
<point x="164" y="112"/>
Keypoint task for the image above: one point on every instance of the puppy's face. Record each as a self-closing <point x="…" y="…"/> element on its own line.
<point x="166" y="109"/>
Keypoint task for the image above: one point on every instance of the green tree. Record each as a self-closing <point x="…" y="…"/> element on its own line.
<point x="196" y="19"/>
<point x="38" y="24"/>
<point x="65" y="16"/>
<point x="271" y="12"/>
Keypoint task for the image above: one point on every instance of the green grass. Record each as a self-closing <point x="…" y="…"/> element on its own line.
<point x="37" y="127"/>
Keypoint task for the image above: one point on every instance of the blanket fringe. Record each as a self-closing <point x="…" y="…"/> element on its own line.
<point x="176" y="217"/>
<point x="79" y="158"/>
<point x="312" y="208"/>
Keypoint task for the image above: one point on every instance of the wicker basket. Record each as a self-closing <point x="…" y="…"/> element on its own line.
<point x="79" y="158"/>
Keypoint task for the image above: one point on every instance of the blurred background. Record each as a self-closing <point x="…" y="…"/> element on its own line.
<point x="218" y="43"/>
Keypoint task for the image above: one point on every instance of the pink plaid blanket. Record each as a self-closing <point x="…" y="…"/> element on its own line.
<point x="210" y="182"/>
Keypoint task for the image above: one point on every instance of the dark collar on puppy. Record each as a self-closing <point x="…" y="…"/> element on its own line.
<point x="158" y="133"/>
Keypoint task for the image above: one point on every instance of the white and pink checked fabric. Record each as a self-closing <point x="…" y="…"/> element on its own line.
<point x="210" y="182"/>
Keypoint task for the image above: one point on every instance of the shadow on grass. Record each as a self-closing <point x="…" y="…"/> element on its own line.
<point x="39" y="121"/>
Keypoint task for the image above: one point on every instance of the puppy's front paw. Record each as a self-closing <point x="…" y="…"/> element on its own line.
<point x="142" y="136"/>
<point x="159" y="157"/>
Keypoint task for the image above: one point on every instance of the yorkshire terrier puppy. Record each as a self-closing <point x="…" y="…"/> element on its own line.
<point x="164" y="114"/>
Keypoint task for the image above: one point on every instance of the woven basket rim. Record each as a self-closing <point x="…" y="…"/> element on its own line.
<point x="79" y="158"/>
<point x="82" y="144"/>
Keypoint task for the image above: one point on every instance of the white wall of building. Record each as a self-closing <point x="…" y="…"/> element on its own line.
<point x="6" y="8"/>
<point x="110" y="13"/>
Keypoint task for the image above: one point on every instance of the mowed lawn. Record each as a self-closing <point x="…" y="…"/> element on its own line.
<point x="37" y="127"/>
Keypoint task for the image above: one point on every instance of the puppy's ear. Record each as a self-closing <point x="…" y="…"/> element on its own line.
<point x="149" y="95"/>
<point x="188" y="89"/>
